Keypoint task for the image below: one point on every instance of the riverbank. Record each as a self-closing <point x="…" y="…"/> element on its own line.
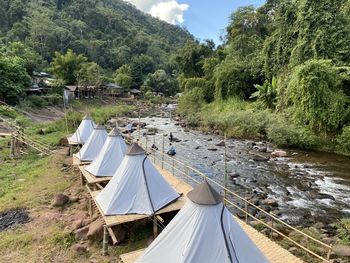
<point x="242" y="120"/>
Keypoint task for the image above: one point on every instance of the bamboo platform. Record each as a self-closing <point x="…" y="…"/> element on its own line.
<point x="72" y="143"/>
<point x="5" y="134"/>
<point x="116" y="220"/>
<point x="76" y="161"/>
<point x="90" y="179"/>
<point x="272" y="251"/>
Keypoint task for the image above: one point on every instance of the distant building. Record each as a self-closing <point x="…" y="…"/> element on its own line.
<point x="40" y="84"/>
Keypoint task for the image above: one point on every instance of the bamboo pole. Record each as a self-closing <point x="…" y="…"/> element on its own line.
<point x="163" y="151"/>
<point x="225" y="170"/>
<point x="105" y="241"/>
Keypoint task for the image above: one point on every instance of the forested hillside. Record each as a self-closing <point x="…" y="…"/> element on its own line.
<point x="282" y="74"/>
<point x="108" y="33"/>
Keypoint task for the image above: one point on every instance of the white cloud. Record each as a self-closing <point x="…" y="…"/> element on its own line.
<point x="168" y="10"/>
<point x="171" y="11"/>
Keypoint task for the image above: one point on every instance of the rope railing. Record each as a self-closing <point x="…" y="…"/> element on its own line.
<point x="181" y="167"/>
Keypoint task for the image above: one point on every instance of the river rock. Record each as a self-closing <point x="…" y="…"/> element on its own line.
<point x="233" y="175"/>
<point x="95" y="232"/>
<point x="63" y="142"/>
<point x="81" y="233"/>
<point x="316" y="195"/>
<point x="270" y="202"/>
<point x="259" y="158"/>
<point x="209" y="140"/>
<point x="279" y="153"/>
<point x="260" y="148"/>
<point x="60" y="200"/>
<point x="197" y="147"/>
<point x="342" y="250"/>
<point x="79" y="249"/>
<point x="212" y="149"/>
<point x="221" y="143"/>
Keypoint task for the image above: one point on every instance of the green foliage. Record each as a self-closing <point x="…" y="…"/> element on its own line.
<point x="35" y="101"/>
<point x="190" y="104"/>
<point x="316" y="97"/>
<point x="108" y="32"/>
<point x="67" y="66"/>
<point x="344" y="231"/>
<point x="89" y="74"/>
<point x="123" y="76"/>
<point x="9" y="112"/>
<point x="266" y="94"/>
<point x="14" y="77"/>
<point x="160" y="81"/>
<point x="343" y="141"/>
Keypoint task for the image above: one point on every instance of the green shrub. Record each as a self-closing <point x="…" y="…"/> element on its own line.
<point x="344" y="231"/>
<point x="53" y="100"/>
<point x="7" y="111"/>
<point x="284" y="133"/>
<point x="343" y="141"/>
<point x="36" y="101"/>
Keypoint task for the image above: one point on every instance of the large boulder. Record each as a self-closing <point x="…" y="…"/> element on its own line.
<point x="259" y="158"/>
<point x="95" y="232"/>
<point x="81" y="234"/>
<point x="60" y="200"/>
<point x="79" y="249"/>
<point x="63" y="142"/>
<point x="342" y="250"/>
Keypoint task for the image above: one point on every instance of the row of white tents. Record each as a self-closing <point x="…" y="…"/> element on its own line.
<point x="203" y="231"/>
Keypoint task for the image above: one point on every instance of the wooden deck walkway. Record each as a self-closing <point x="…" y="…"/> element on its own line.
<point x="76" y="161"/>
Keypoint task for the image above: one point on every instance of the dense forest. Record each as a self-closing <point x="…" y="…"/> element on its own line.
<point x="110" y="34"/>
<point x="282" y="74"/>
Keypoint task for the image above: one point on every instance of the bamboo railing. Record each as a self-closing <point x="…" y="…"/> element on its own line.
<point x="180" y="168"/>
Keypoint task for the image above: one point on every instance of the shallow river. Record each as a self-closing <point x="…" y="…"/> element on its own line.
<point x="308" y="186"/>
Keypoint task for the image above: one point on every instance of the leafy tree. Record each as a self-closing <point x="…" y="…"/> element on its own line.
<point x="266" y="93"/>
<point x="321" y="31"/>
<point x="14" y="77"/>
<point x="89" y="74"/>
<point x="159" y="81"/>
<point x="316" y="96"/>
<point x="30" y="57"/>
<point x="67" y="66"/>
<point x="123" y="76"/>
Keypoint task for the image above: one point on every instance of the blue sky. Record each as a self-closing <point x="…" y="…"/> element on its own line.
<point x="208" y="19"/>
<point x="205" y="19"/>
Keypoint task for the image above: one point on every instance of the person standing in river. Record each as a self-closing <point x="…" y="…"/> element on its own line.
<point x="171" y="137"/>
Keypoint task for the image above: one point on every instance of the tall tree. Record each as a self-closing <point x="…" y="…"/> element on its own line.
<point x="67" y="66"/>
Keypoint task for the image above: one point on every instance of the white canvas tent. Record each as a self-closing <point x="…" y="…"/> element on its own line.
<point x="203" y="231"/>
<point x="93" y="145"/>
<point x="136" y="188"/>
<point x="110" y="156"/>
<point x="83" y="132"/>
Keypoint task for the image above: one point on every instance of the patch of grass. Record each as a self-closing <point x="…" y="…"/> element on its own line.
<point x="29" y="181"/>
<point x="343" y="229"/>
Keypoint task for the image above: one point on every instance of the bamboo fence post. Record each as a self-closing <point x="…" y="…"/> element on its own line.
<point x="163" y="151"/>
<point x="225" y="171"/>
<point x="155" y="227"/>
<point x="154" y="150"/>
<point x="105" y="241"/>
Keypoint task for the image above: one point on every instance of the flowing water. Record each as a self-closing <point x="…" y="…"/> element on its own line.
<point x="309" y="186"/>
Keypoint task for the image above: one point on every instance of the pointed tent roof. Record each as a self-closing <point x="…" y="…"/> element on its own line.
<point x="87" y="117"/>
<point x="93" y="145"/>
<point x="135" y="149"/>
<point x="136" y="188"/>
<point x="203" y="233"/>
<point x="204" y="194"/>
<point x="110" y="156"/>
<point x="84" y="130"/>
<point x="115" y="132"/>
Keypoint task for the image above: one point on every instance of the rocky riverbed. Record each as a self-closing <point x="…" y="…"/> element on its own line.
<point x="302" y="188"/>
